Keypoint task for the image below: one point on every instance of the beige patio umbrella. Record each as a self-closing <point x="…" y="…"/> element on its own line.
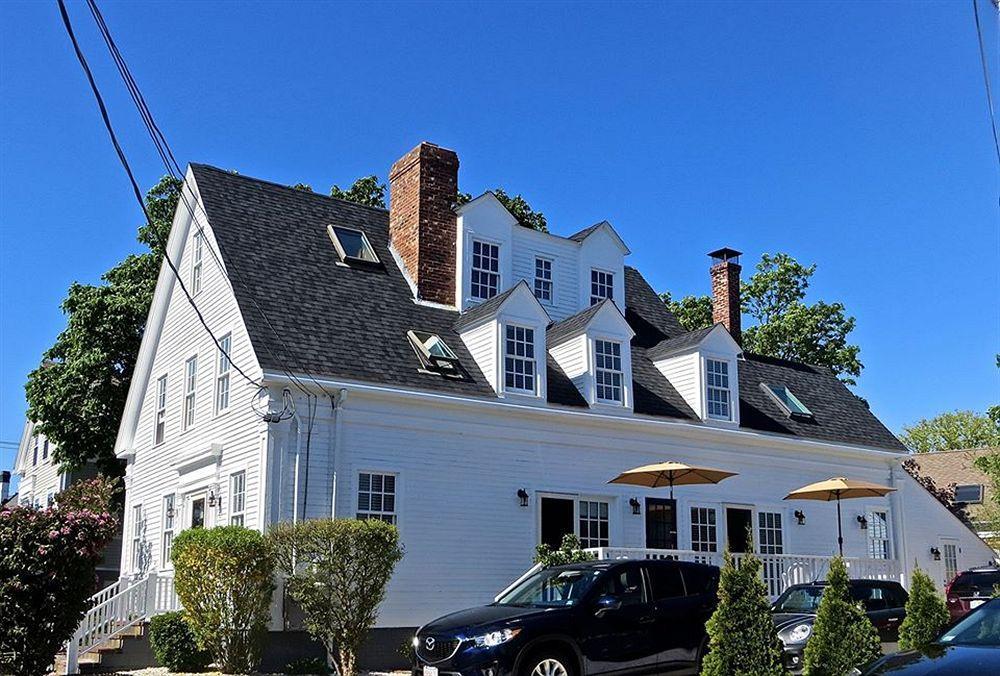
<point x="671" y="474"/>
<point x="839" y="488"/>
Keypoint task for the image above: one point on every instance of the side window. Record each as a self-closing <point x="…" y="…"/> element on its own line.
<point x="894" y="596"/>
<point x="625" y="584"/>
<point x="665" y="578"/>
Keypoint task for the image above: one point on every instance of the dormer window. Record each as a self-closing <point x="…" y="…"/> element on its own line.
<point x="434" y="353"/>
<point x="608" y="372"/>
<point x="787" y="401"/>
<point x="351" y="244"/>
<point x="602" y="285"/>
<point x="543" y="279"/>
<point x="485" y="277"/>
<point x="717" y="393"/>
<point x="519" y="359"/>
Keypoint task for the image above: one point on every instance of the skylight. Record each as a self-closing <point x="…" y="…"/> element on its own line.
<point x="351" y="244"/>
<point x="787" y="400"/>
<point x="434" y="353"/>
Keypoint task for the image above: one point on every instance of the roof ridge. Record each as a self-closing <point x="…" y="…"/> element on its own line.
<point x="254" y="179"/>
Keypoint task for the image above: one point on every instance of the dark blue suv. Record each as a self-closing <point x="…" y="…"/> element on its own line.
<point x="577" y="620"/>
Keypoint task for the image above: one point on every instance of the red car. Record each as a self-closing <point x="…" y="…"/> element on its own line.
<point x="971" y="589"/>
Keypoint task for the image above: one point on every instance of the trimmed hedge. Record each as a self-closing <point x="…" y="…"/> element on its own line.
<point x="174" y="644"/>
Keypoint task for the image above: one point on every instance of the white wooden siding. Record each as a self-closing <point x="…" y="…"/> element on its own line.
<point x="482" y="342"/>
<point x="684" y="373"/>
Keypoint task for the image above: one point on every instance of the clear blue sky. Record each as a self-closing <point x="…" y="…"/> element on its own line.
<point x="852" y="135"/>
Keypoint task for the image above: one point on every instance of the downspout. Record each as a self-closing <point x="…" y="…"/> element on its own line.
<point x="295" y="483"/>
<point x="897" y="515"/>
<point x="338" y="404"/>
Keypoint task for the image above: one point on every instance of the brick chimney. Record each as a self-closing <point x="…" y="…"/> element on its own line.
<point x="726" y="290"/>
<point x="423" y="186"/>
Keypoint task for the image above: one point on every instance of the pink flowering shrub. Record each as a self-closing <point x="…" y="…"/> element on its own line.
<point x="47" y="561"/>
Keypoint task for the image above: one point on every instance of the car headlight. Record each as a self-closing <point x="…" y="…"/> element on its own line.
<point x="799" y="633"/>
<point x="415" y="642"/>
<point x="495" y="638"/>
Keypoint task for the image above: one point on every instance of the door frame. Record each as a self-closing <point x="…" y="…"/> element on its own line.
<point x="575" y="498"/>
<point x="677" y="520"/>
<point x="726" y="506"/>
<point x="189" y="498"/>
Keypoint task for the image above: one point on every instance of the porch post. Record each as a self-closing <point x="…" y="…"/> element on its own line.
<point x="151" y="596"/>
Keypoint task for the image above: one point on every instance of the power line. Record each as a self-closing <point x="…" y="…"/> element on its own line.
<point x="986" y="79"/>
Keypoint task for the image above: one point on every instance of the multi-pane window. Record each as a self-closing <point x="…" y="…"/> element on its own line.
<point x="377" y="496"/>
<point x="602" y="285"/>
<point x="717" y="377"/>
<point x="137" y="527"/>
<point x="190" y="383"/>
<point x="608" y="371"/>
<point x="594" y="523"/>
<point x="769" y="533"/>
<point x="543" y="279"/>
<point x="222" y="374"/>
<point x="199" y="246"/>
<point x="704" y="530"/>
<point x="878" y="534"/>
<point x="160" y="424"/>
<point x="519" y="359"/>
<point x="168" y="530"/>
<point x="45" y="449"/>
<point x="949" y="552"/>
<point x="485" y="275"/>
<point x="34" y="455"/>
<point x="237" y="498"/>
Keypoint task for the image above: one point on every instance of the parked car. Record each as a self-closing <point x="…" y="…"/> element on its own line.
<point x="794" y="613"/>
<point x="969" y="646"/>
<point x="971" y="589"/>
<point x="587" y="618"/>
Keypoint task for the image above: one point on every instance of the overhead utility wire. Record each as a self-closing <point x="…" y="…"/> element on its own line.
<point x="135" y="186"/>
<point x="986" y="79"/>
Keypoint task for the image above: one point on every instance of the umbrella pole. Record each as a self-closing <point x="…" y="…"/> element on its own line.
<point x="840" y="528"/>
<point x="671" y="487"/>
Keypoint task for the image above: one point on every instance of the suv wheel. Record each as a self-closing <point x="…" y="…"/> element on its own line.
<point x="548" y="663"/>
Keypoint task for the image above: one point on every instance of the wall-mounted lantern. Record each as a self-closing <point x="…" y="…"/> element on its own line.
<point x="634" y="504"/>
<point x="863" y="522"/>
<point x="522" y="495"/>
<point x="935" y="553"/>
<point x="800" y="517"/>
<point x="212" y="500"/>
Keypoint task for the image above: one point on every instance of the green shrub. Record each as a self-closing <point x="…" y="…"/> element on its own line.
<point x="174" y="644"/>
<point x="307" y="665"/>
<point x="742" y="639"/>
<point x="224" y="580"/>
<point x="843" y="637"/>
<point x="337" y="571"/>
<point x="47" y="563"/>
<point x="570" y="551"/>
<point x="926" y="613"/>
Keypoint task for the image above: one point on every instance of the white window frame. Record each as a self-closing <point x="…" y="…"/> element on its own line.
<point x="34" y="455"/>
<point x="160" y="416"/>
<point x="45" y="449"/>
<point x="368" y="254"/>
<point x="387" y="515"/>
<point x="524" y="361"/>
<point x="770" y="522"/>
<point x="543" y="285"/>
<point x="190" y="392"/>
<point x="610" y="372"/>
<point x="137" y="528"/>
<point x="493" y="284"/>
<point x="711" y="386"/>
<point x="587" y="541"/>
<point x="237" y="498"/>
<point x="223" y="367"/>
<point x="196" y="262"/>
<point x="880" y="547"/>
<point x="699" y="544"/>
<point x="169" y="521"/>
<point x="601" y="280"/>
<point x="949" y="563"/>
<point x="576" y="499"/>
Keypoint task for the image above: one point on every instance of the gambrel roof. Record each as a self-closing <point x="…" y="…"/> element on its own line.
<point x="351" y="322"/>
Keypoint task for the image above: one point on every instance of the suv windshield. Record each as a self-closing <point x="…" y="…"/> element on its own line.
<point x="551" y="588"/>
<point x="980" y="627"/>
<point x="799" y="600"/>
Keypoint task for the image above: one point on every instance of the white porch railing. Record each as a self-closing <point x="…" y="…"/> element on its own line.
<point x="779" y="571"/>
<point x="115" y="609"/>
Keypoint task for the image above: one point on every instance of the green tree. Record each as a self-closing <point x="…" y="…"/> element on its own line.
<point x="742" y="640"/>
<point x="304" y="187"/>
<point x="517" y="206"/>
<point x="366" y="190"/>
<point x="570" y="551"/>
<point x="843" y="637"/>
<point x="926" y="613"/>
<point x="78" y="393"/>
<point x="988" y="515"/>
<point x="785" y="326"/>
<point x="951" y="431"/>
<point x="337" y="571"/>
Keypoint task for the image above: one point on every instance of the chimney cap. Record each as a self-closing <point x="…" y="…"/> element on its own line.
<point x="726" y="255"/>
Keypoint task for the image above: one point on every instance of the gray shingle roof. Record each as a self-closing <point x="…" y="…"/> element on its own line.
<point x="485" y="309"/>
<point x="350" y="322"/>
<point x="583" y="234"/>
<point x="678" y="343"/>
<point x="561" y="331"/>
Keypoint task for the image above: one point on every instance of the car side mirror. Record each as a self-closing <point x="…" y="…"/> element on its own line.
<point x="607" y="604"/>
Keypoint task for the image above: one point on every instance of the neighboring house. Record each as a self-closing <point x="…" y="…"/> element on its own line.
<point x="41" y="481"/>
<point x="956" y="471"/>
<point x="479" y="383"/>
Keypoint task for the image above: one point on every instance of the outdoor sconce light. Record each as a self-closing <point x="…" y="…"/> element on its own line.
<point x="935" y="553"/>
<point x="170" y="512"/>
<point x="800" y="517"/>
<point x="634" y="504"/>
<point x="863" y="522"/>
<point x="522" y="495"/>
<point x="211" y="499"/>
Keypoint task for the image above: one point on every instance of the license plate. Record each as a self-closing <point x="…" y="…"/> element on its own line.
<point x="430" y="671"/>
<point x="975" y="603"/>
